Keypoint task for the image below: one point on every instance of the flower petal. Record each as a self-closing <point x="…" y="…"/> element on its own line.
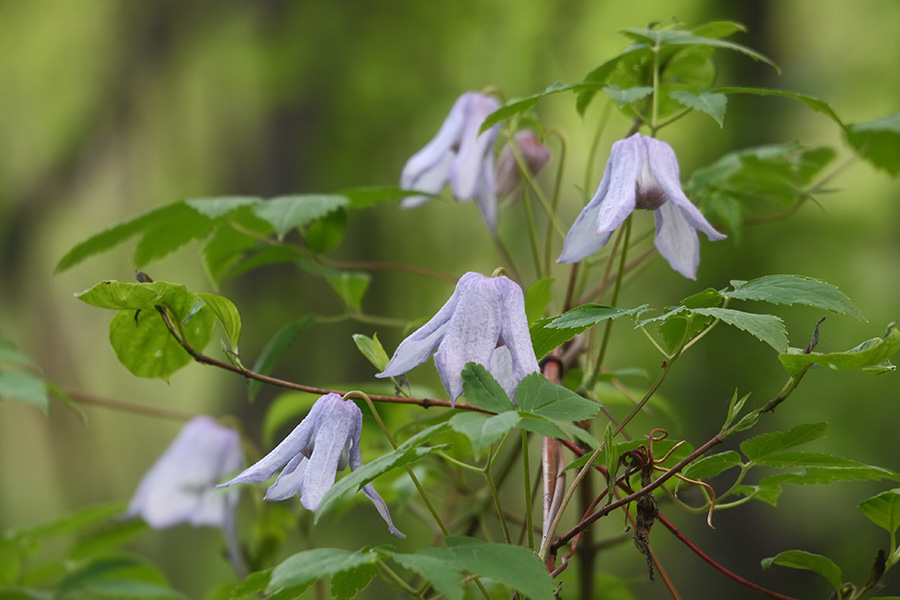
<point x="677" y="240"/>
<point x="514" y="333"/>
<point x="380" y="505"/>
<point x="340" y="421"/>
<point x="431" y="181"/>
<point x="436" y="151"/>
<point x="474" y="147"/>
<point x="618" y="195"/>
<point x="471" y="334"/>
<point x="485" y="195"/>
<point x="583" y="239"/>
<point x="289" y="481"/>
<point x="664" y="167"/>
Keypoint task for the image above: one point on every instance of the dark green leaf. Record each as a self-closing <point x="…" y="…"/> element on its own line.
<point x="869" y="356"/>
<point x="287" y="212"/>
<point x="538" y="395"/>
<point x="303" y="568"/>
<point x="273" y="350"/>
<point x="712" y="104"/>
<point x="232" y="240"/>
<point x="25" y="388"/>
<point x="883" y="510"/>
<point x="628" y="95"/>
<point x="769" y="443"/>
<point x="767" y="328"/>
<point x="513" y="566"/>
<point x="372" y="349"/>
<point x="521" y="105"/>
<point x="710" y="466"/>
<point x="794" y="289"/>
<point x="812" y="459"/>
<point x="556" y="428"/>
<point x="227" y="314"/>
<point x="350" y="286"/>
<point x="369" y="196"/>
<point x="182" y="225"/>
<point x="347" y="583"/>
<point x="679" y="37"/>
<point x="324" y="234"/>
<point x="252" y="586"/>
<point x="798" y="559"/>
<point x="878" y="141"/>
<point x="483" y="391"/>
<point x="547" y="334"/>
<point x="437" y="566"/>
<point x="817" y="105"/>
<point x="483" y="430"/>
<point x="537" y="297"/>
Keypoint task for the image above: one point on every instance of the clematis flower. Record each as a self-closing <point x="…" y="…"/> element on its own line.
<point x="180" y="486"/>
<point x="534" y="153"/>
<point x="458" y="154"/>
<point x="642" y="172"/>
<point x="484" y="322"/>
<point x="325" y="442"/>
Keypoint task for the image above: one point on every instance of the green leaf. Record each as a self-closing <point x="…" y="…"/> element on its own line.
<point x="767" y="328"/>
<point x="215" y="208"/>
<point x="537" y="297"/>
<point x="547" y="334"/>
<point x="712" y="104"/>
<point x="679" y="37"/>
<point x="287" y="212"/>
<point x="812" y="459"/>
<point x="794" y="289"/>
<point x="118" y="295"/>
<point x="520" y="105"/>
<point x="538" y="395"/>
<point x="820" y="106"/>
<point x="625" y="97"/>
<point x="364" y="197"/>
<point x="710" y="466"/>
<point x="347" y="583"/>
<point x="513" y="566"/>
<point x="409" y="451"/>
<point x="869" y="356"/>
<point x="483" y="391"/>
<point x="734" y="409"/>
<point x="302" y="569"/>
<point x="72" y="522"/>
<point x="24" y="388"/>
<point x="182" y="225"/>
<point x="718" y="29"/>
<point x="324" y="234"/>
<point x="556" y="428"/>
<point x="878" y="141"/>
<point x="483" y="430"/>
<point x="288" y="408"/>
<point x="372" y="349"/>
<point x="798" y="559"/>
<point x="350" y="286"/>
<point x="769" y="443"/>
<point x="273" y="350"/>
<point x="884" y="510"/>
<point x="437" y="566"/>
<point x="227" y="314"/>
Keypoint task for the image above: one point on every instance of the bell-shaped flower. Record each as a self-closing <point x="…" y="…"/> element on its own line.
<point x="181" y="486"/>
<point x="460" y="155"/>
<point x="534" y="155"/>
<point x="484" y="322"/>
<point x="642" y="172"/>
<point x="325" y="442"/>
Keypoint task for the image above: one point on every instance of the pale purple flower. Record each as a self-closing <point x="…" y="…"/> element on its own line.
<point x="534" y="154"/>
<point x="642" y="172"/>
<point x="484" y="322"/>
<point x="181" y="486"/>
<point x="325" y="442"/>
<point x="458" y="154"/>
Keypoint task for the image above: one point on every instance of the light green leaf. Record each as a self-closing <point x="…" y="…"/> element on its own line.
<point x="182" y="225"/>
<point x="345" y="584"/>
<point x="870" y="356"/>
<point x="483" y="430"/>
<point x="350" y="286"/>
<point x="520" y="105"/>
<point x="767" y="328"/>
<point x="513" y="566"/>
<point x="227" y="314"/>
<point x="302" y="569"/>
<point x="817" y="105"/>
<point x="372" y="349"/>
<point x="288" y="409"/>
<point x="794" y="289"/>
<point x="884" y="511"/>
<point x="680" y="37"/>
<point x="438" y="567"/>
<point x="365" y="197"/>
<point x="547" y="334"/>
<point x="769" y="443"/>
<point x="118" y="295"/>
<point x="538" y="395"/>
<point x="710" y="466"/>
<point x="537" y="297"/>
<point x="483" y="391"/>
<point x="215" y="208"/>
<point x="718" y="29"/>
<point x="798" y="559"/>
<point x="325" y="233"/>
<point x="734" y="409"/>
<point x="287" y="212"/>
<point x="25" y="388"/>
<point x="273" y="350"/>
<point x="879" y="142"/>
<point x="712" y="104"/>
<point x="628" y="95"/>
<point x="556" y="428"/>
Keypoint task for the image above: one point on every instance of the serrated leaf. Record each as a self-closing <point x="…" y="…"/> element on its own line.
<point x="883" y="510"/>
<point x="483" y="391"/>
<point x="483" y="430"/>
<point x="409" y="451"/>
<point x="556" y="428"/>
<point x="518" y="106"/>
<point x="547" y="334"/>
<point x="227" y="314"/>
<point x="680" y="37"/>
<point x="364" y="197"/>
<point x="798" y="559"/>
<point x="437" y="566"/>
<point x="767" y="328"/>
<point x="273" y="350"/>
<point x="537" y="297"/>
<point x="820" y="106"/>
<point x="350" y="286"/>
<point x="182" y="225"/>
<point x="118" y="295"/>
<point x="325" y="233"/>
<point x="303" y="568"/>
<point x="718" y="29"/>
<point x="713" y="105"/>
<point x="538" y="395"/>
<point x="287" y="212"/>
<point x="25" y="388"/>
<point x="710" y="466"/>
<point x="372" y="349"/>
<point x="513" y="566"/>
<point x="811" y="459"/>
<point x="347" y="583"/>
<point x="870" y="355"/>
<point x="878" y="141"/>
<point x="769" y="443"/>
<point x="215" y="208"/>
<point x="624" y="97"/>
<point x="794" y="289"/>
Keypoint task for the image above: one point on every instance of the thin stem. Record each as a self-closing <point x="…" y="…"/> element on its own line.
<point x="529" y="522"/>
<point x="377" y="265"/>
<point x="615" y="299"/>
<point x="532" y="232"/>
<point x="398" y="581"/>
<point x="496" y="497"/>
<point x="595" y="143"/>
<point x="138" y="409"/>
<point x="557" y="189"/>
<point x="505" y="257"/>
<point x="655" y="110"/>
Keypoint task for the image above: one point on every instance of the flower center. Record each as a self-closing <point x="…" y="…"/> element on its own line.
<point x="648" y="194"/>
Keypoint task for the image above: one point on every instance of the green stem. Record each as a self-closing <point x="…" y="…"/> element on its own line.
<point x="532" y="231"/>
<point x="529" y="523"/>
<point x="557" y="189"/>
<point x="655" y="114"/>
<point x="398" y="581"/>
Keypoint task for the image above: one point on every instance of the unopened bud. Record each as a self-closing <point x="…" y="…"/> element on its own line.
<point x="533" y="152"/>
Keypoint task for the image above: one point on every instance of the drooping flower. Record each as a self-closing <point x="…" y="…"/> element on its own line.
<point x="642" y="172"/>
<point x="325" y="442"/>
<point x="534" y="153"/>
<point x="458" y="154"/>
<point x="484" y="322"/>
<point x="181" y="486"/>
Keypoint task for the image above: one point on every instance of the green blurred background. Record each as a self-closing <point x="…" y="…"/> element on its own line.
<point x="110" y="108"/>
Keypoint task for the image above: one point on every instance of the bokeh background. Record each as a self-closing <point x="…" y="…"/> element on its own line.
<point x="111" y="108"/>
